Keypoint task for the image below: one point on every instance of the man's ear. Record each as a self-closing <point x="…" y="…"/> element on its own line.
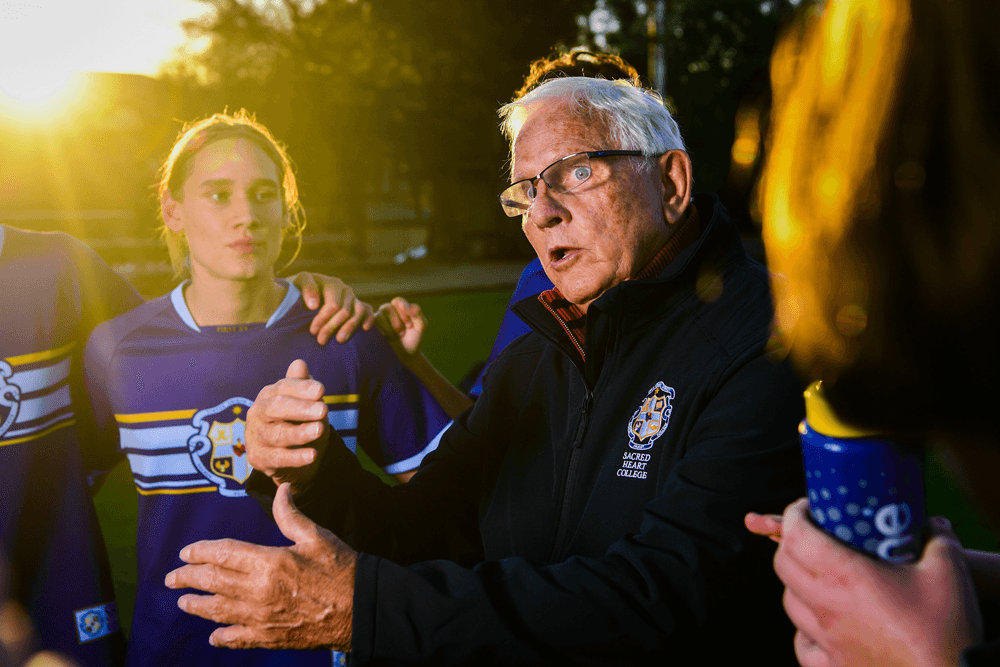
<point x="171" y="213"/>
<point x="675" y="169"/>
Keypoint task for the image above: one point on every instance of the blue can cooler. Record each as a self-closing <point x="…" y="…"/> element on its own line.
<point x="867" y="492"/>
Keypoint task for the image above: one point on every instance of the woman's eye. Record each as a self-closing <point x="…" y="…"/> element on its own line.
<point x="221" y="197"/>
<point x="266" y="195"/>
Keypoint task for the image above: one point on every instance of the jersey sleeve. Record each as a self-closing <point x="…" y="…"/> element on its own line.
<point x="99" y="430"/>
<point x="399" y="419"/>
<point x="101" y="294"/>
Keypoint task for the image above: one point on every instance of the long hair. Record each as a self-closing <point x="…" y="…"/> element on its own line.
<point x="880" y="205"/>
<point x="196" y="136"/>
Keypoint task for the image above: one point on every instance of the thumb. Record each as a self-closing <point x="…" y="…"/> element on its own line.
<point x="292" y="523"/>
<point x="943" y="549"/>
<point x="298" y="370"/>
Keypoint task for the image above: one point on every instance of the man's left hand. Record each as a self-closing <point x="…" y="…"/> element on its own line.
<point x="340" y="312"/>
<point x="297" y="597"/>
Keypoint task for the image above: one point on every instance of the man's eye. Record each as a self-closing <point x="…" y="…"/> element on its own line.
<point x="220" y="196"/>
<point x="581" y="173"/>
<point x="531" y="193"/>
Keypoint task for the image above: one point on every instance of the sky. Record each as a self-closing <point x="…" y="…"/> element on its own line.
<point x="51" y="38"/>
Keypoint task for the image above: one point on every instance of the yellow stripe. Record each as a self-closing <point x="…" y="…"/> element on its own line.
<point x="40" y="434"/>
<point x="344" y="398"/>
<point x="140" y="417"/>
<point x="174" y="492"/>
<point x="41" y="356"/>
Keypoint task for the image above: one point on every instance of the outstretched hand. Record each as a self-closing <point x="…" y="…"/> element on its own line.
<point x="340" y="311"/>
<point x="297" y="597"/>
<point x="851" y="609"/>
<point x="286" y="431"/>
<point x="402" y="323"/>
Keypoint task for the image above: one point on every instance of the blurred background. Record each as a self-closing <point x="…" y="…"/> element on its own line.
<point x="388" y="108"/>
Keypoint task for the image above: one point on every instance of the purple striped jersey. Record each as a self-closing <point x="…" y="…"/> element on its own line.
<point x="173" y="396"/>
<point x="53" y="291"/>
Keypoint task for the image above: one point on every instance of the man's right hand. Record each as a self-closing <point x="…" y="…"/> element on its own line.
<point x="286" y="429"/>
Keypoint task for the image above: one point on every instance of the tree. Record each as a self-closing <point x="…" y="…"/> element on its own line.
<point x="366" y="93"/>
<point x="718" y="54"/>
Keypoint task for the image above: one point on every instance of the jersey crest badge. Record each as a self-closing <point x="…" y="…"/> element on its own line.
<point x="218" y="449"/>
<point x="651" y="419"/>
<point x="10" y="398"/>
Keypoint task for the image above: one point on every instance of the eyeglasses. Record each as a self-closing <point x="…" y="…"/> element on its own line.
<point x="563" y="175"/>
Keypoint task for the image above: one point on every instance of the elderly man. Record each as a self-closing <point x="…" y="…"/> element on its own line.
<point x="589" y="507"/>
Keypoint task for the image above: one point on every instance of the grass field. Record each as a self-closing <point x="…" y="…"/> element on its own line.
<point x="461" y="331"/>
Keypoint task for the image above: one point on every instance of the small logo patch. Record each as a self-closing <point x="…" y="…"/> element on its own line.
<point x="651" y="419"/>
<point x="96" y="622"/>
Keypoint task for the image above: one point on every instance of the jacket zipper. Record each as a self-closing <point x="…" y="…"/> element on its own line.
<point x="565" y="327"/>
<point x="562" y="527"/>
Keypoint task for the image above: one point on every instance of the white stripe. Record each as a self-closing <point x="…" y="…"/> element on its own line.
<point x="155" y="438"/>
<point x="18" y="432"/>
<point x="160" y="466"/>
<point x="41" y="378"/>
<point x="43" y="406"/>
<point x="172" y="483"/>
<point x="291" y="297"/>
<point x="1" y="239"/>
<point x="342" y="420"/>
<point x="414" y="461"/>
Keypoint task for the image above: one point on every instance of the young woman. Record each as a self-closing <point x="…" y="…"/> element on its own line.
<point x="171" y="380"/>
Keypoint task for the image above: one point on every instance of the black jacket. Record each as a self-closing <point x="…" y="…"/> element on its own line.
<point x="584" y="547"/>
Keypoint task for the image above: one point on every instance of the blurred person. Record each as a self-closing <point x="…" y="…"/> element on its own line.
<point x="53" y="291"/>
<point x="883" y="226"/>
<point x="588" y="508"/>
<point x="169" y="381"/>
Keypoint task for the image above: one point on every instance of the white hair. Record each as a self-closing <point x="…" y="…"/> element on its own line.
<point x="637" y="118"/>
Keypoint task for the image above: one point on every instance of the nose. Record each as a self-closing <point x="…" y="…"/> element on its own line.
<point x="546" y="210"/>
<point x="243" y="210"/>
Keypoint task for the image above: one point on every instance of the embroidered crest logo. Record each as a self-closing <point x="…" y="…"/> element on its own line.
<point x="10" y="398"/>
<point x="219" y="449"/>
<point x="651" y="419"/>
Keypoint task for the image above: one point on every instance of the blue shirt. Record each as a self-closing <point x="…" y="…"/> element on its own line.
<point x="53" y="291"/>
<point x="173" y="397"/>
<point x="532" y="281"/>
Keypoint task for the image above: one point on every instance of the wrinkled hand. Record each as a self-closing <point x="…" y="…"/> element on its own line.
<point x="286" y="430"/>
<point x="297" y="597"/>
<point x="341" y="312"/>
<point x="402" y="323"/>
<point x="852" y="610"/>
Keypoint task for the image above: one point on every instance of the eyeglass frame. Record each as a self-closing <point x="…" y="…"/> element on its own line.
<point x="534" y="179"/>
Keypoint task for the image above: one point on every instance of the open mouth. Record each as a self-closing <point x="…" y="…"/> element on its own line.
<point x="561" y="255"/>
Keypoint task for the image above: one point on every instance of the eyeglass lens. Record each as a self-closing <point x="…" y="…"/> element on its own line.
<point x="562" y="176"/>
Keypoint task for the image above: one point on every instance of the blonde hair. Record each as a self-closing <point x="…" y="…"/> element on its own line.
<point x="880" y="203"/>
<point x="196" y="136"/>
